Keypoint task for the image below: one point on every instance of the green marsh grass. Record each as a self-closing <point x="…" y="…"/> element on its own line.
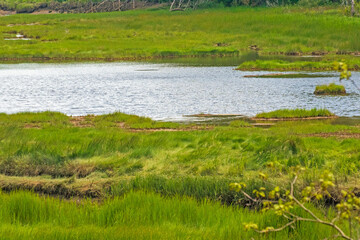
<point x="147" y="34"/>
<point x="106" y="154"/>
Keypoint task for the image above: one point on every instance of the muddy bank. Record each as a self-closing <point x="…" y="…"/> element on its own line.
<point x="340" y="135"/>
<point x="155" y="58"/>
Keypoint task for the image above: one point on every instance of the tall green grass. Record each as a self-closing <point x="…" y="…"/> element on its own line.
<point x="136" y="216"/>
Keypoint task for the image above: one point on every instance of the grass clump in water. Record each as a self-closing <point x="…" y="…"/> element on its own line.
<point x="290" y="75"/>
<point x="296" y="113"/>
<point x="331" y="89"/>
<point x="280" y="65"/>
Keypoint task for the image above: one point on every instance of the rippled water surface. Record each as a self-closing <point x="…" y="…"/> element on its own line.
<point x="159" y="91"/>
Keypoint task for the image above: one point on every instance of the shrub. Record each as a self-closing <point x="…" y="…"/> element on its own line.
<point x="25" y="8"/>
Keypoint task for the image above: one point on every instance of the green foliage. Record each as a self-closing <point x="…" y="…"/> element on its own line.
<point x="25" y="8"/>
<point x="283" y="202"/>
<point x="343" y="69"/>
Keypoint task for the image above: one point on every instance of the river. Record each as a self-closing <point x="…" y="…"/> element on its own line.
<point x="160" y="91"/>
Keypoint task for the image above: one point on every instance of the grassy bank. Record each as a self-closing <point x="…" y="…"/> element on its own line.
<point x="136" y="216"/>
<point x="160" y="33"/>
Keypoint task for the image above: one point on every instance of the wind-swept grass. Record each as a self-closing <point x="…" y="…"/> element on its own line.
<point x="136" y="216"/>
<point x="296" y="113"/>
<point x="71" y="159"/>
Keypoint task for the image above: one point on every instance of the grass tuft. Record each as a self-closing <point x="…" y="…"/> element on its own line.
<point x="331" y="89"/>
<point x="296" y="113"/>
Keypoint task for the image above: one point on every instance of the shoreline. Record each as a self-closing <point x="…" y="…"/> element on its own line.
<point x="189" y="59"/>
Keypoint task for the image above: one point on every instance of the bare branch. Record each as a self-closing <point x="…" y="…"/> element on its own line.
<point x="292" y="185"/>
<point x="331" y="224"/>
<point x="277" y="229"/>
<point x="249" y="197"/>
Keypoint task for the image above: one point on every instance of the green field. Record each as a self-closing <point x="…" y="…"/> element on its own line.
<point x="159" y="33"/>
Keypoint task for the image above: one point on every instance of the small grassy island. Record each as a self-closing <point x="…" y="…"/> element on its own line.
<point x="281" y="65"/>
<point x="289" y="75"/>
<point x="331" y="89"/>
<point x="296" y="114"/>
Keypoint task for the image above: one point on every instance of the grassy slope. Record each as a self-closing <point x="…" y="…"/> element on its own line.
<point x="135" y="34"/>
